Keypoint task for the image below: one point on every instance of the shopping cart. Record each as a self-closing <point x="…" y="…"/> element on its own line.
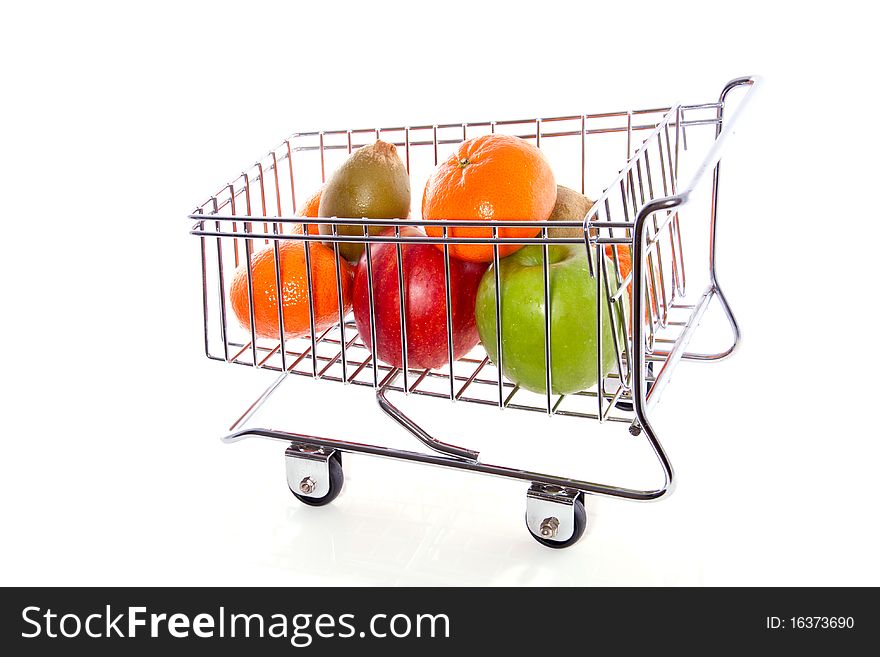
<point x="653" y="309"/>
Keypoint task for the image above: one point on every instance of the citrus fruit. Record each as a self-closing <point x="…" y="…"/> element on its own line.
<point x="624" y="256"/>
<point x="497" y="177"/>
<point x="294" y="290"/>
<point x="310" y="209"/>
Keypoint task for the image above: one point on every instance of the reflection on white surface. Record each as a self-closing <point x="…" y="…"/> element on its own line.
<point x="445" y="528"/>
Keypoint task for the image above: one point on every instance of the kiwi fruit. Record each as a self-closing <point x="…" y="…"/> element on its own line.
<point x="570" y="206"/>
<point x="371" y="183"/>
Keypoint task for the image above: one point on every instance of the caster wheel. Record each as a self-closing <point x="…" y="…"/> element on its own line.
<point x="580" y="526"/>
<point x="334" y="465"/>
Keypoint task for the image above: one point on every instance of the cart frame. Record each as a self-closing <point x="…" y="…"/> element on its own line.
<point x="564" y="494"/>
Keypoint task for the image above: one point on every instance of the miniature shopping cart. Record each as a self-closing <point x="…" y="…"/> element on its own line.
<point x="654" y="309"/>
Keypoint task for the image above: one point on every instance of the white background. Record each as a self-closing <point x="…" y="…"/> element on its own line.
<point x="116" y="121"/>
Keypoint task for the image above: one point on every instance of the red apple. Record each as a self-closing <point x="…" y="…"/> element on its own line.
<point x="425" y="297"/>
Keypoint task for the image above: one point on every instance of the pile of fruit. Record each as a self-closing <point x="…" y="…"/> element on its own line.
<point x="494" y="177"/>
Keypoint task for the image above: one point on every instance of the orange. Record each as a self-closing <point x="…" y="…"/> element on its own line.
<point x="625" y="258"/>
<point x="310" y="209"/>
<point x="295" y="291"/>
<point x="491" y="177"/>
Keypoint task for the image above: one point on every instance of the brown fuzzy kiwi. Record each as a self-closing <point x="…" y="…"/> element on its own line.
<point x="570" y="206"/>
<point x="371" y="183"/>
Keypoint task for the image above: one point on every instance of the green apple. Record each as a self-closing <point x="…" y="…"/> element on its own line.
<point x="573" y="329"/>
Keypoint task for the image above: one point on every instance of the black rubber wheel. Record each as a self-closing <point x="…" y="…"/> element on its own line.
<point x="580" y="526"/>
<point x="336" y="481"/>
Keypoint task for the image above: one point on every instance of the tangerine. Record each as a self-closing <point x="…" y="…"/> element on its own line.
<point x="310" y="209"/>
<point x="624" y="257"/>
<point x="493" y="177"/>
<point x="295" y="290"/>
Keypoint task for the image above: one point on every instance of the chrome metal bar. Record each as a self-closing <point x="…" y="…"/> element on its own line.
<point x="425" y="438"/>
<point x="310" y="352"/>
<point x="639" y="391"/>
<point x="414" y="223"/>
<point x="450" y="345"/>
<point x="583" y="155"/>
<point x="510" y="395"/>
<point x="617" y="319"/>
<point x="662" y="303"/>
<point x="415" y="385"/>
<point x="629" y="131"/>
<point x="548" y="375"/>
<point x="624" y="173"/>
<point x="451" y="461"/>
<point x="292" y="186"/>
<point x="339" y="301"/>
<point x="601" y="274"/>
<point x="234" y="224"/>
<point x="674" y="233"/>
<point x="675" y="354"/>
<point x="401" y="288"/>
<point x="260" y="179"/>
<point x="271" y="353"/>
<point x="470" y="379"/>
<point x="243" y="349"/>
<point x="713" y="159"/>
<point x="258" y="402"/>
<point x="310" y="287"/>
<point x="369" y="259"/>
<point x="417" y="143"/>
<point x="391" y="239"/>
<point x="407" y="151"/>
<point x="279" y="211"/>
<point x="221" y="290"/>
<point x="279" y="298"/>
<point x="250" y="283"/>
<point x="205" y="316"/>
<point x="339" y="356"/>
<point x="563" y="133"/>
<point x="360" y="367"/>
<point x="499" y="347"/>
<point x="323" y="165"/>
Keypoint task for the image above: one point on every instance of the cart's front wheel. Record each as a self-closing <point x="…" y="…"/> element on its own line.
<point x="308" y="484"/>
<point x="572" y="519"/>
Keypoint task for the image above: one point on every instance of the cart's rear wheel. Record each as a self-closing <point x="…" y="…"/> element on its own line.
<point x="549" y="525"/>
<point x="334" y="468"/>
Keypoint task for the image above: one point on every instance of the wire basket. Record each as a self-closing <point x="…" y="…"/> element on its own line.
<point x="652" y="310"/>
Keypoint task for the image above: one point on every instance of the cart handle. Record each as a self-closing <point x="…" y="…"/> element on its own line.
<point x="670" y="203"/>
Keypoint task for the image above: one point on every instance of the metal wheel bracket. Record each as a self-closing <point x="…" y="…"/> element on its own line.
<point x="308" y="469"/>
<point x="550" y="512"/>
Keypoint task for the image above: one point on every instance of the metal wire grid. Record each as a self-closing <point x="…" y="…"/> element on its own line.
<point x="338" y="353"/>
<point x="474" y="379"/>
